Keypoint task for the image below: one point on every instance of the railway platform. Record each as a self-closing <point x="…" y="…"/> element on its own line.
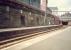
<point x="54" y="40"/>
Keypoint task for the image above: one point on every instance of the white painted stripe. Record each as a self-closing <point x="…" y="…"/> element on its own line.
<point x="25" y="28"/>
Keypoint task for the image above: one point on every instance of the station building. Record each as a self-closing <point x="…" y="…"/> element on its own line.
<point x="19" y="13"/>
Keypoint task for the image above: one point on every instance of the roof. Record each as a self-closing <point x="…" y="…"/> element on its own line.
<point x="27" y="5"/>
<point x="53" y="8"/>
<point x="66" y="14"/>
<point x="19" y="4"/>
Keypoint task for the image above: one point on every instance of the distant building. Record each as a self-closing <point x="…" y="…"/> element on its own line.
<point x="49" y="11"/>
<point x="66" y="17"/>
<point x="54" y="10"/>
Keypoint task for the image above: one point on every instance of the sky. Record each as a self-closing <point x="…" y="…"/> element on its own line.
<point x="63" y="5"/>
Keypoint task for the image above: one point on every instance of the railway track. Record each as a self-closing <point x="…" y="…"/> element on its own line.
<point x="13" y="36"/>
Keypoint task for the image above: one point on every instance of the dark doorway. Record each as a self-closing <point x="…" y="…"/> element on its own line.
<point x="23" y="20"/>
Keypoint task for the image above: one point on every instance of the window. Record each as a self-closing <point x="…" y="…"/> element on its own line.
<point x="4" y="17"/>
<point x="25" y="1"/>
<point x="2" y="9"/>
